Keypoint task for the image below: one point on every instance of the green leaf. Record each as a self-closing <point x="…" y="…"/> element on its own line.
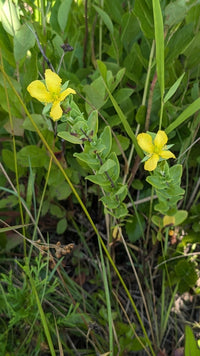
<point x="156" y="181"/>
<point x="9" y="202"/>
<point x="130" y="29"/>
<point x="105" y="17"/>
<point x="9" y="17"/>
<point x="32" y="155"/>
<point x="109" y="202"/>
<point x="14" y="106"/>
<point x="67" y="136"/>
<point x="191" y="238"/>
<point x="17" y="127"/>
<point x="6" y="47"/>
<point x="99" y="179"/>
<point x="124" y="121"/>
<point x="159" y="38"/>
<point x="157" y="220"/>
<point x="41" y="122"/>
<point x="55" y="210"/>
<point x="134" y="228"/>
<point x="180" y="216"/>
<point x="8" y="158"/>
<point x="123" y="141"/>
<point x="121" y="193"/>
<point x="89" y="159"/>
<point x="118" y="77"/>
<point x="63" y="13"/>
<point x="93" y="122"/>
<point x="176" y="172"/>
<point x="143" y="11"/>
<point x="106" y="140"/>
<point x="173" y="88"/>
<point x="114" y="170"/>
<point x="120" y="212"/>
<point x="141" y="115"/>
<point x="60" y="191"/>
<point x="187" y="275"/>
<point x="61" y="226"/>
<point x="189" y="111"/>
<point x="191" y="52"/>
<point x="95" y="94"/>
<point x="133" y="64"/>
<point x="103" y="70"/>
<point x="191" y="347"/>
<point x="24" y="39"/>
<point x="175" y="12"/>
<point x="123" y="94"/>
<point x="106" y="166"/>
<point x="179" y="43"/>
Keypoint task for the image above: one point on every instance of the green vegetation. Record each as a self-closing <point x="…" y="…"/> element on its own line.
<point x="99" y="177"/>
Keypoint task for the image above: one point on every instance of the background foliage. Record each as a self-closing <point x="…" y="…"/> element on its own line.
<point x="89" y="268"/>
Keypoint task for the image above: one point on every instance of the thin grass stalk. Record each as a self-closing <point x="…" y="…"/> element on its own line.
<point x="30" y="193"/>
<point x="140" y="289"/>
<point x="100" y="31"/>
<point x="42" y="315"/>
<point x="83" y="207"/>
<point x="159" y="38"/>
<point x="14" y="154"/>
<point x="42" y="198"/>
<point x="137" y="216"/>
<point x="167" y="314"/>
<point x="150" y="215"/>
<point x="14" y="192"/>
<point x="164" y="315"/>
<point x="146" y="85"/>
<point x="108" y="303"/>
<point x="129" y="322"/>
<point x="58" y="337"/>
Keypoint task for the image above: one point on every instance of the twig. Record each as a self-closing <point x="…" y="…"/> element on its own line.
<point x="41" y="49"/>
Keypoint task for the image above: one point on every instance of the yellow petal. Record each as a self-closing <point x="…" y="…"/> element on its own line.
<point x="56" y="111"/>
<point x="160" y="139"/>
<point x="166" y="154"/>
<point x="38" y="90"/>
<point x="65" y="93"/>
<point x="145" y="142"/>
<point x="151" y="163"/>
<point x="53" y="81"/>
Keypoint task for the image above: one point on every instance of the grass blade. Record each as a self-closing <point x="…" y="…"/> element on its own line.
<point x="159" y="38"/>
<point x="122" y="117"/>
<point x="189" y="111"/>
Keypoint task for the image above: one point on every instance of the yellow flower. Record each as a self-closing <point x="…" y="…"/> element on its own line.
<point x="155" y="149"/>
<point x="50" y="93"/>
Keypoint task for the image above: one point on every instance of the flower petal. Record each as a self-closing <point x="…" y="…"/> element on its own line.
<point x="145" y="142"/>
<point x="160" y="139"/>
<point x="151" y="163"/>
<point x="53" y="81"/>
<point x="38" y="90"/>
<point x="56" y="111"/>
<point x="66" y="92"/>
<point x="167" y="154"/>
